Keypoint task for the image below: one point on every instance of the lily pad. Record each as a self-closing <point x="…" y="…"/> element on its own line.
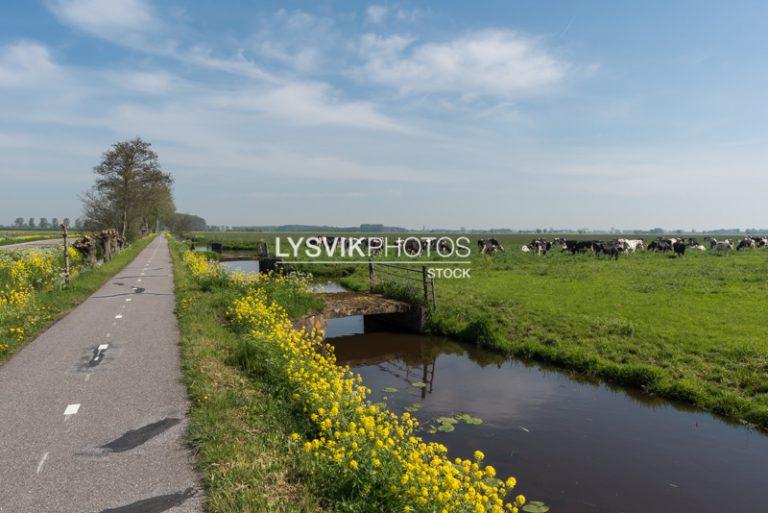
<point x="469" y="419"/>
<point x="418" y="384"/>
<point x="414" y="407"/>
<point x="446" y="428"/>
<point x="539" y="507"/>
<point x="447" y="420"/>
<point x="432" y="430"/>
<point x="389" y="390"/>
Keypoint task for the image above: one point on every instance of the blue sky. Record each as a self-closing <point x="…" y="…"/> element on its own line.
<point x="446" y="114"/>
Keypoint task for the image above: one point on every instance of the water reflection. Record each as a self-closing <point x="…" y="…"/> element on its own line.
<point x="345" y="326"/>
<point x="326" y="287"/>
<point x="577" y="445"/>
<point x="246" y="266"/>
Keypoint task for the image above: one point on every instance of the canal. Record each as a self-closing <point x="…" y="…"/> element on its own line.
<point x="578" y="446"/>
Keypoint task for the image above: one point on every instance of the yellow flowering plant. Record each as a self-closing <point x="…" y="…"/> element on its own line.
<point x="356" y="450"/>
<point x="23" y="274"/>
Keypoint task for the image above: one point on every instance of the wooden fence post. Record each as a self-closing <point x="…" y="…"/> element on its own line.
<point x="424" y="284"/>
<point x="371" y="275"/>
<point x="66" y="255"/>
<point x="434" y="301"/>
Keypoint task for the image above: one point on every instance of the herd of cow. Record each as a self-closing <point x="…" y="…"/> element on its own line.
<point x="615" y="247"/>
<point x="541" y="246"/>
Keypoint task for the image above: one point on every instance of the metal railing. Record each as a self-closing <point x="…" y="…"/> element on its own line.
<point x="409" y="277"/>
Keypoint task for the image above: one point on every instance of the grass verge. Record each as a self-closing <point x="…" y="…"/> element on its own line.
<point x="239" y="425"/>
<point x="52" y="305"/>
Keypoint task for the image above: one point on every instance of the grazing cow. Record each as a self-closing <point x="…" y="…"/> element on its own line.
<point x="525" y="249"/>
<point x="699" y="247"/>
<point x="679" y="248"/>
<point x="633" y="245"/>
<point x="580" y="246"/>
<point x="725" y="246"/>
<point x="489" y="246"/>
<point x="660" y="245"/>
<point x="540" y="246"/>
<point x="745" y="243"/>
<point x="711" y="240"/>
<point x="611" y="249"/>
<point x="665" y="246"/>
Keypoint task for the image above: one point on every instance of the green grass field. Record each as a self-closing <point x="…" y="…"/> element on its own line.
<point x="8" y="237"/>
<point x="690" y="328"/>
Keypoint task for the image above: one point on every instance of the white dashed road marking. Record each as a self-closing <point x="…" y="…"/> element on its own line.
<point x="119" y="316"/>
<point x="128" y="299"/>
<point x="103" y="347"/>
<point x="72" y="409"/>
<point x="42" y="462"/>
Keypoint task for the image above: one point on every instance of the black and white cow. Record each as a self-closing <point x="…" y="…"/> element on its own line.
<point x="491" y="245"/>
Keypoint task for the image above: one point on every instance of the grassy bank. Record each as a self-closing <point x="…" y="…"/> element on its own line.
<point x="239" y="426"/>
<point x="278" y="426"/>
<point x="20" y="325"/>
<point x="8" y="238"/>
<point x="689" y="329"/>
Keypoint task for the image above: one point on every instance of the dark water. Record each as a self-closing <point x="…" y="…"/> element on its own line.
<point x="246" y="266"/>
<point x="345" y="326"/>
<point x="577" y="446"/>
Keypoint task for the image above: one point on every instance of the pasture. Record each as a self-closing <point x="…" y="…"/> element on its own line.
<point x="8" y="237"/>
<point x="690" y="328"/>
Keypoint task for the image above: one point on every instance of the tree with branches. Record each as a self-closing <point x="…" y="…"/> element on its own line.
<point x="131" y="191"/>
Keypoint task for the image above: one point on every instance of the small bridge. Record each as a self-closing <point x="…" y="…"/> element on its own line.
<point x="346" y="304"/>
<point x="379" y="313"/>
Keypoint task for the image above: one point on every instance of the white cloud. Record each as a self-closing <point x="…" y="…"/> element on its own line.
<point x="311" y="104"/>
<point x="133" y="24"/>
<point x="495" y="63"/>
<point x="295" y="39"/>
<point x="150" y="82"/>
<point x="26" y="64"/>
<point x="376" y="13"/>
<point x="409" y="15"/>
<point x="104" y="18"/>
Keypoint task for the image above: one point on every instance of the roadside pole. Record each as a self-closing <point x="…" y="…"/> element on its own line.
<point x="371" y="275"/>
<point x="66" y="255"/>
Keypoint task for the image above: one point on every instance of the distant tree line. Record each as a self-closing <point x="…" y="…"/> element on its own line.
<point x="41" y="224"/>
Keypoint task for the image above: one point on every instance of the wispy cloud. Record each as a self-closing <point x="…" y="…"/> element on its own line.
<point x="295" y="40"/>
<point x="496" y="63"/>
<point x="27" y="64"/>
<point x="310" y="104"/>
<point x="376" y="13"/>
<point x="124" y="20"/>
